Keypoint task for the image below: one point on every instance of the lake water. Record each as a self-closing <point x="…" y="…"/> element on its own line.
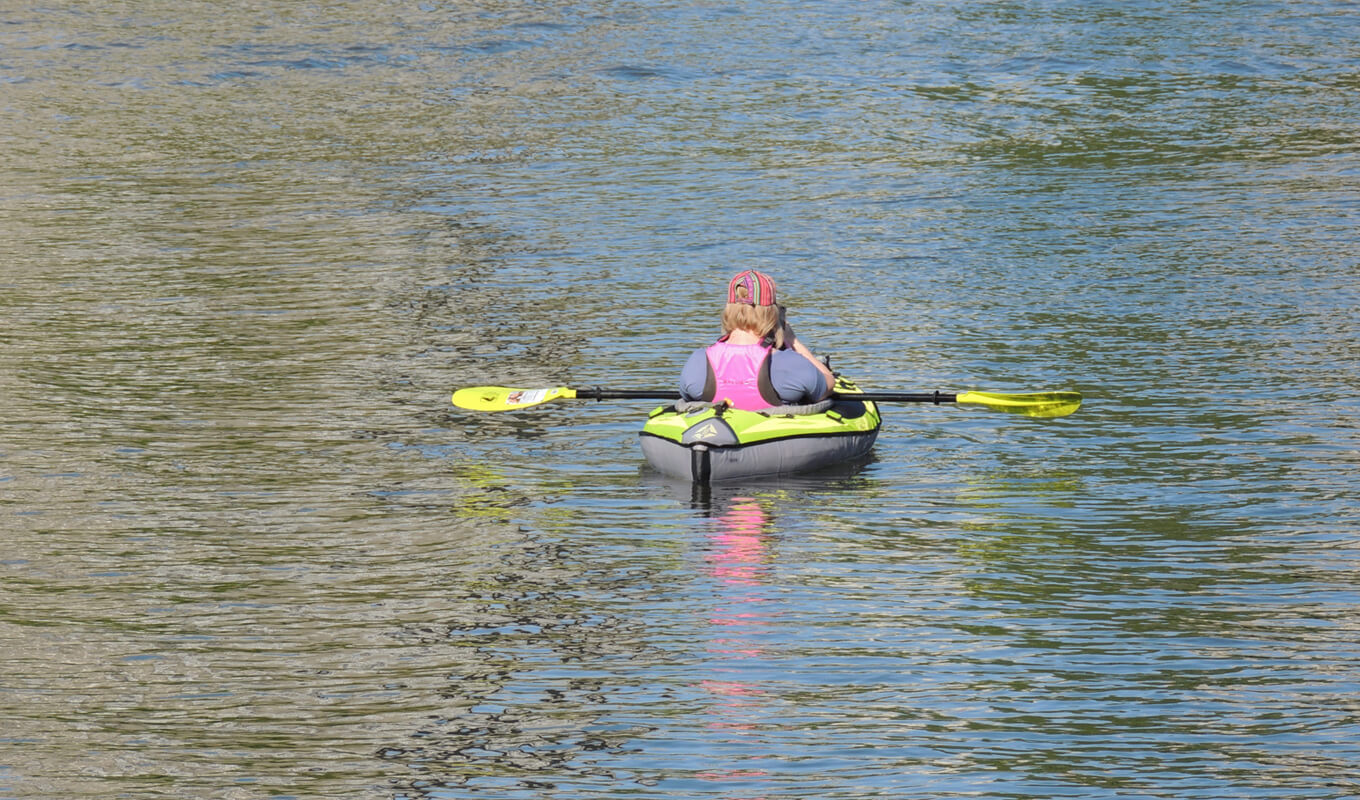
<point x="249" y="549"/>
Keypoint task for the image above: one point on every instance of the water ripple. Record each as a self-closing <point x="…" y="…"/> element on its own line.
<point x="251" y="549"/>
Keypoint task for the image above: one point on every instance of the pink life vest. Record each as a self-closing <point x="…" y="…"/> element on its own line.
<point x="740" y="374"/>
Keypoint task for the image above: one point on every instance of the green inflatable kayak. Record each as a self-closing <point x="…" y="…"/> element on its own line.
<point x="709" y="444"/>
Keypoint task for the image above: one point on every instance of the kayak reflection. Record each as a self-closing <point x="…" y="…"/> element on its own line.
<point x="738" y="557"/>
<point x="745" y="658"/>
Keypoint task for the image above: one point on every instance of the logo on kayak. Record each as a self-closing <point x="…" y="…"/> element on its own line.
<point x="706" y="431"/>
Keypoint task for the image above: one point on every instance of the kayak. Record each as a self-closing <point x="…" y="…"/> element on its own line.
<point x="715" y="443"/>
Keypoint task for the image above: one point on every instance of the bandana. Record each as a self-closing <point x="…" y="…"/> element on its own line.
<point x="759" y="289"/>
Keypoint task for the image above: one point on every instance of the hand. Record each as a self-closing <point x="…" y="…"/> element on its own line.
<point x="787" y="329"/>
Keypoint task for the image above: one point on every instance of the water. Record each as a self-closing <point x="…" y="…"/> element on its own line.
<point x="249" y="549"/>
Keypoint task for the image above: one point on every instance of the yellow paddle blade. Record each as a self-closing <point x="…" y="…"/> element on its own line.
<point x="499" y="398"/>
<point x="1035" y="404"/>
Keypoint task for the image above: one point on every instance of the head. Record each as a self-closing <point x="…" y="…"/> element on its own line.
<point x="751" y="307"/>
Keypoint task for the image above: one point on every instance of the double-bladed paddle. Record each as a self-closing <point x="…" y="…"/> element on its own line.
<point x="1033" y="404"/>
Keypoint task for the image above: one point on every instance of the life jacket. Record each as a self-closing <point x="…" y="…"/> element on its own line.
<point x="740" y="374"/>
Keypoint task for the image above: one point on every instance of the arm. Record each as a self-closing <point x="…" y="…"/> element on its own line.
<point x="792" y="341"/>
<point x="694" y="376"/>
<point x="826" y="372"/>
<point x="796" y="379"/>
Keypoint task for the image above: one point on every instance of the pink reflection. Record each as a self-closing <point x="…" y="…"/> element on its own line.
<point x="738" y="558"/>
<point x="739" y="545"/>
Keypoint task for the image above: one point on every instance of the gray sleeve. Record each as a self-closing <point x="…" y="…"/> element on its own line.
<point x="795" y="378"/>
<point x="694" y="376"/>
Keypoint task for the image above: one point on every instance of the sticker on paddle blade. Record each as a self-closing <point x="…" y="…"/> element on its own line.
<point x="527" y="397"/>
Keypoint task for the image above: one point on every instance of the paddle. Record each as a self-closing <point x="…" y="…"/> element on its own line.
<point x="1034" y="404"/>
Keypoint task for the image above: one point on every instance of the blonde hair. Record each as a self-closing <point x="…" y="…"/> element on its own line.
<point x="763" y="321"/>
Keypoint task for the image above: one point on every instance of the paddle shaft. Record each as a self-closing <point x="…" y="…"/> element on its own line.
<point x="899" y="397"/>
<point x="597" y="393"/>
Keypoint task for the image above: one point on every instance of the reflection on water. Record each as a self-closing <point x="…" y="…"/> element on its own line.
<point x="740" y="546"/>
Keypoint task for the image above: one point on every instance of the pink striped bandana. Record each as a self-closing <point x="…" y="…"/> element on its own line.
<point x="759" y="289"/>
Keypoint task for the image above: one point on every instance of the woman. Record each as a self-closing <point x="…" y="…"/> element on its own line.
<point x="758" y="363"/>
